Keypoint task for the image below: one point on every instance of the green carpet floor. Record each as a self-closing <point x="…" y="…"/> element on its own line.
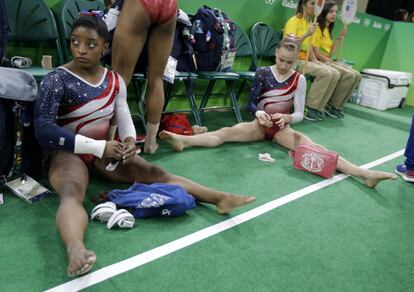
<point x="344" y="237"/>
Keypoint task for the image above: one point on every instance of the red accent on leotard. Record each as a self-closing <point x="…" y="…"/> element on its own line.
<point x="159" y="11"/>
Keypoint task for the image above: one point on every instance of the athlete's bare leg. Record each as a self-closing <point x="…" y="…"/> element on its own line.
<point x="243" y="132"/>
<point x="129" y="38"/>
<point x="142" y="171"/>
<point x="290" y="139"/>
<point x="68" y="175"/>
<point x="160" y="41"/>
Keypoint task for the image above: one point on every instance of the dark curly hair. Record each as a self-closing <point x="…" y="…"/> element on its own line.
<point x="92" y="22"/>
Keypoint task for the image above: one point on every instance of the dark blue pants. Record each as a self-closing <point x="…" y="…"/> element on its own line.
<point x="409" y="149"/>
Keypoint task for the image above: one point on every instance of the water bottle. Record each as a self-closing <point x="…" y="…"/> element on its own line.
<point x="111" y="18"/>
<point x="353" y="96"/>
<point x="359" y="98"/>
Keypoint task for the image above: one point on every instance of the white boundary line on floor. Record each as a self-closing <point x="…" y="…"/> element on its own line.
<point x="168" y="248"/>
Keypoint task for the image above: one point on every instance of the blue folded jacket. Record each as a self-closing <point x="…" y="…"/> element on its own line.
<point x="152" y="200"/>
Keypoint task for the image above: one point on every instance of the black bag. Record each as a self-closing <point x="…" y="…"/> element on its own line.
<point x="19" y="149"/>
<point x="182" y="49"/>
<point x="214" y="38"/>
<point x="4" y="30"/>
<point x="7" y="135"/>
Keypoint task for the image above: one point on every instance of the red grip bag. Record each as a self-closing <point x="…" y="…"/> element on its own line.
<point x="176" y="123"/>
<point x="316" y="160"/>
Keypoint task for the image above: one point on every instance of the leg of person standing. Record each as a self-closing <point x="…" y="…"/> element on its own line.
<point x="129" y="38"/>
<point x="159" y="48"/>
<point x="406" y="170"/>
<point x="137" y="21"/>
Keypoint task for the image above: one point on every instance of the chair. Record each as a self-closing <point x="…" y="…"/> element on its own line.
<point x="228" y="78"/>
<point x="264" y="40"/>
<point x="67" y="14"/>
<point x="244" y="49"/>
<point x="32" y="21"/>
<point x="182" y="51"/>
<point x="139" y="84"/>
<point x="188" y="78"/>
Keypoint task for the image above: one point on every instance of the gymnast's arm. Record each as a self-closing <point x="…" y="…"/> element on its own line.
<point x="255" y="92"/>
<point x="299" y="100"/>
<point x="126" y="127"/>
<point x="48" y="133"/>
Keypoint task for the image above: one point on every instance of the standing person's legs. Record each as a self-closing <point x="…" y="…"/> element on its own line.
<point x="242" y="132"/>
<point x="129" y="38"/>
<point x="406" y="170"/>
<point x="409" y="149"/>
<point x="290" y="139"/>
<point x="160" y="42"/>
<point x="144" y="172"/>
<point x="69" y="177"/>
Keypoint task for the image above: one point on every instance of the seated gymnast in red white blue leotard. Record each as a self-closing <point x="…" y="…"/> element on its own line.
<point x="75" y="104"/>
<point x="275" y="89"/>
<point x="73" y="114"/>
<point x="270" y="96"/>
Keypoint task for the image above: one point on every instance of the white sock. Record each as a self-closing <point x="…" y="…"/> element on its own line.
<point x="152" y="130"/>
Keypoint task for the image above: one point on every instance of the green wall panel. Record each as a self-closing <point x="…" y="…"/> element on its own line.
<point x="371" y="40"/>
<point x="398" y="55"/>
<point x="365" y="43"/>
<point x="366" y="40"/>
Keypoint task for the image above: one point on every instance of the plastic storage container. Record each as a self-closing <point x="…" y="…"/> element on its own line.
<point x="383" y="89"/>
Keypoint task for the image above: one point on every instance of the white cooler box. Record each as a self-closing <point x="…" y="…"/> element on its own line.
<point x="383" y="89"/>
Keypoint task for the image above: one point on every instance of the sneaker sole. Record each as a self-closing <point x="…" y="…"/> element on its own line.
<point x="404" y="176"/>
<point x="331" y="115"/>
<point x="310" y="119"/>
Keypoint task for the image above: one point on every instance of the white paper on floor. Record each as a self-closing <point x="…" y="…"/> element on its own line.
<point x="265" y="157"/>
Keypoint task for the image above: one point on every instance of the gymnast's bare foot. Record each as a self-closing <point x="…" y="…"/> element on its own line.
<point x="172" y="139"/>
<point x="81" y="260"/>
<point x="230" y="202"/>
<point x="373" y="177"/>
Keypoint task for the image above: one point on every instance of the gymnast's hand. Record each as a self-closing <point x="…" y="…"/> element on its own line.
<point x="114" y="150"/>
<point x="263" y="118"/>
<point x="129" y="150"/>
<point x="281" y="120"/>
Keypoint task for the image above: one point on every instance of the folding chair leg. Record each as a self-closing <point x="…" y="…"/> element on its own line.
<point x="189" y="86"/>
<point x="206" y="95"/>
<point x="139" y="97"/>
<point x="234" y="101"/>
<point x="240" y="90"/>
<point x="167" y="94"/>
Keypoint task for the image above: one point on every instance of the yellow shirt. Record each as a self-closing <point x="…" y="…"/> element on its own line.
<point x="323" y="41"/>
<point x="298" y="27"/>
